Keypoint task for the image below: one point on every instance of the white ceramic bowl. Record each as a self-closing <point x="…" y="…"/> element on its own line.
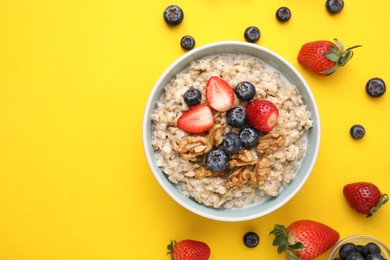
<point x="272" y="59"/>
<point x="359" y="240"/>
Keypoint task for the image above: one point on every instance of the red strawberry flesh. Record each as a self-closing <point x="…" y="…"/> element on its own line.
<point x="219" y="94"/>
<point x="262" y="115"/>
<point x="316" y="237"/>
<point x="304" y="239"/>
<point x="189" y="250"/>
<point x="364" y="197"/>
<point x="311" y="56"/>
<point x="197" y="119"/>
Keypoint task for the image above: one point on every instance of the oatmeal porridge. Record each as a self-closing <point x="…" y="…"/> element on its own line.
<point x="253" y="174"/>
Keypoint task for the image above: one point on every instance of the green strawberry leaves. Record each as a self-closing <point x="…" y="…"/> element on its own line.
<point x="281" y="241"/>
<point x="338" y="55"/>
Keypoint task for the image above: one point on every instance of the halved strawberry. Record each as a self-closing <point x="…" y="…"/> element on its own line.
<point x="197" y="119"/>
<point x="262" y="115"/>
<point x="219" y="94"/>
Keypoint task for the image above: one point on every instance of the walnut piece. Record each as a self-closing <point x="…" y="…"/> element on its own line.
<point x="255" y="176"/>
<point x="271" y="142"/>
<point x="215" y="135"/>
<point x="194" y="145"/>
<point x="238" y="178"/>
<point x="242" y="158"/>
<point x="191" y="147"/>
<point x="261" y="172"/>
<point x="202" y="172"/>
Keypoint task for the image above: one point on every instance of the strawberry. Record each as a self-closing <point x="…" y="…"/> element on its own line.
<point x="219" y="94"/>
<point x="364" y="197"/>
<point x="304" y="239"/>
<point x="262" y="115"/>
<point x="189" y="250"/>
<point x="197" y="119"/>
<point x="324" y="57"/>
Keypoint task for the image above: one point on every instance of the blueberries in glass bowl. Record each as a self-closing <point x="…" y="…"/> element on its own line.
<point x="359" y="247"/>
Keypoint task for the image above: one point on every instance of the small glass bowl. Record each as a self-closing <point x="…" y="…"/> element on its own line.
<point x="359" y="240"/>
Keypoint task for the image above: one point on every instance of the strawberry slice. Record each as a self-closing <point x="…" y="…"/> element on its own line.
<point x="197" y="119"/>
<point x="219" y="94"/>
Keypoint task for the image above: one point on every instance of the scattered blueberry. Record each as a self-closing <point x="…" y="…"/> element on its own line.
<point x="187" y="42"/>
<point x="252" y="34"/>
<point x="346" y="249"/>
<point x="245" y="91"/>
<point x="231" y="143"/>
<point x="334" y="6"/>
<point x="249" y="136"/>
<point x="251" y="239"/>
<point x="217" y="160"/>
<point x="173" y="15"/>
<point x="283" y="14"/>
<point x="236" y="117"/>
<point x="373" y="248"/>
<point x="357" y="131"/>
<point x="192" y="97"/>
<point x="354" y="256"/>
<point x="375" y="87"/>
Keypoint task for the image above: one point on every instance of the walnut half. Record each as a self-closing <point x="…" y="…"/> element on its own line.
<point x="255" y="176"/>
<point x="244" y="157"/>
<point x="194" y="145"/>
<point x="271" y="142"/>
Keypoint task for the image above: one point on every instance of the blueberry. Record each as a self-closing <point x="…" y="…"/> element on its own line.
<point x="217" y="160"/>
<point x="357" y="131"/>
<point x="245" y="91"/>
<point x="361" y="250"/>
<point x="252" y="34"/>
<point x="251" y="239"/>
<point x="187" y="42"/>
<point x="192" y="97"/>
<point x="372" y="248"/>
<point x="249" y="136"/>
<point x="173" y="15"/>
<point x="346" y="249"/>
<point x="375" y="257"/>
<point x="334" y="6"/>
<point x="236" y="117"/>
<point x="283" y="14"/>
<point x="375" y="87"/>
<point x="354" y="256"/>
<point x="231" y="143"/>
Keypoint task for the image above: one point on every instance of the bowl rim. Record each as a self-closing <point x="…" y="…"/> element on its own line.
<point x="188" y="203"/>
<point x="357" y="238"/>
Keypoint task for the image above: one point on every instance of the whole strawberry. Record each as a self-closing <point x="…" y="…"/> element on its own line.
<point x="189" y="250"/>
<point x="262" y="115"/>
<point x="324" y="57"/>
<point x="364" y="197"/>
<point x="304" y="239"/>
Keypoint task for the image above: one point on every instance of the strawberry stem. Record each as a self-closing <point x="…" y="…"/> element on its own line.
<point x="383" y="199"/>
<point x="338" y="55"/>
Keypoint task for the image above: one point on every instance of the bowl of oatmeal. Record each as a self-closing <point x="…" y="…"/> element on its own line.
<point x="187" y="146"/>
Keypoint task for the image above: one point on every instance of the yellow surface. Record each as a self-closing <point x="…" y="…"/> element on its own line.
<point x="74" y="79"/>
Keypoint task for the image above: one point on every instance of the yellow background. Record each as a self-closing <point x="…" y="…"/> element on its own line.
<point x="74" y="80"/>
